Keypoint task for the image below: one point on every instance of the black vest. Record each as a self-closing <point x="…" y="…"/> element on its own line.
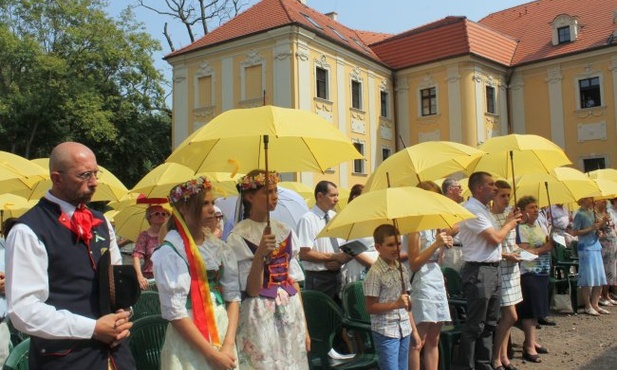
<point x="73" y="286"/>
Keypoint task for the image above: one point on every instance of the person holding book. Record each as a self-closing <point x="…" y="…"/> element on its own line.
<point x="387" y="300"/>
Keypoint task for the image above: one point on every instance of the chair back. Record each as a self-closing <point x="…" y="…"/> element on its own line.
<point x="353" y="302"/>
<point x="324" y="319"/>
<point x="454" y="284"/>
<point x="147" y="305"/>
<point x="146" y="341"/>
<point x="18" y="357"/>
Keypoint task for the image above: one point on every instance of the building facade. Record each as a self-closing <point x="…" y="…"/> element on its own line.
<point x="546" y="67"/>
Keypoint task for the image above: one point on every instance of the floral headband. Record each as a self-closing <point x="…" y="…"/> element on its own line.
<point x="256" y="182"/>
<point x="187" y="189"/>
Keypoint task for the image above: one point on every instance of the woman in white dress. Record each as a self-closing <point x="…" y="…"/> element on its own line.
<point x="272" y="331"/>
<point x="203" y="313"/>
<point x="429" y="301"/>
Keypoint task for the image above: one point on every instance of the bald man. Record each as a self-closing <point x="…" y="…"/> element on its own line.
<point x="51" y="277"/>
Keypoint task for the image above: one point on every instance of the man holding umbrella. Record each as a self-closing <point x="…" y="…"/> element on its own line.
<point x="481" y="239"/>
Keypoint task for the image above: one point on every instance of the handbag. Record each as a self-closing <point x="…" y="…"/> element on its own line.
<point x="562" y="302"/>
<point x="118" y="285"/>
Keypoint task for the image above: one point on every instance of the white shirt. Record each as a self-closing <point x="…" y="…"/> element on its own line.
<point x="309" y="226"/>
<point x="3" y="306"/>
<point x="173" y="278"/>
<point x="560" y="216"/>
<point x="27" y="285"/>
<point x="252" y="231"/>
<point x="475" y="247"/>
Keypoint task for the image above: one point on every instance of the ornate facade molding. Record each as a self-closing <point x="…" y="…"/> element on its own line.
<point x="322" y="62"/>
<point x="426" y="82"/>
<point x="355" y="74"/>
<point x="252" y="58"/>
<point x="204" y="69"/>
<point x="554" y="75"/>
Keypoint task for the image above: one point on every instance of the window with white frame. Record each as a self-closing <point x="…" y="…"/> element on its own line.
<point x="384" y="98"/>
<point x="594" y="163"/>
<point x="356" y="94"/>
<point x="563" y="34"/>
<point x="491" y="104"/>
<point x="565" y="29"/>
<point x="321" y="77"/>
<point x="589" y="92"/>
<point x="358" y="164"/>
<point x="428" y="99"/>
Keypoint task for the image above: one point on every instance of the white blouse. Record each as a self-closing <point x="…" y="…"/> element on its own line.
<point x="252" y="231"/>
<point x="173" y="279"/>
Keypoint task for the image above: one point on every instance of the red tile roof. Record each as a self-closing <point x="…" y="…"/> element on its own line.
<point x="446" y="38"/>
<point x="531" y="24"/>
<point x="271" y="14"/>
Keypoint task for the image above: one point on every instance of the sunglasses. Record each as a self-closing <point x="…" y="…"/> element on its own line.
<point x="157" y="213"/>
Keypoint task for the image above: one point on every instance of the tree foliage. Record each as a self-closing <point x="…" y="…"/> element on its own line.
<point x="68" y="71"/>
<point x="197" y="16"/>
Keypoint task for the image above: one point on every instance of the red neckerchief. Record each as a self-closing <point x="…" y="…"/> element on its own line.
<point x="83" y="222"/>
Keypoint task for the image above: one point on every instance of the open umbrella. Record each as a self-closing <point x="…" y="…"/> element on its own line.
<point x="302" y="189"/>
<point x="561" y="186"/>
<point x="299" y="140"/>
<point x="130" y="221"/>
<point x="604" y="173"/>
<point x="18" y="173"/>
<point x="608" y="189"/>
<point x="159" y="181"/>
<point x="414" y="209"/>
<point x="515" y="155"/>
<point x="430" y="160"/>
<point x="12" y="205"/>
<point x="109" y="187"/>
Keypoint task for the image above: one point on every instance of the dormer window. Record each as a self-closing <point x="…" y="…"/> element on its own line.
<point x="565" y="29"/>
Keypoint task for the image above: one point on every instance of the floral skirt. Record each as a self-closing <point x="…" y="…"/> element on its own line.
<point x="271" y="336"/>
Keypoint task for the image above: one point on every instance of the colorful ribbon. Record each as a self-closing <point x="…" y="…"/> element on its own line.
<point x="203" y="307"/>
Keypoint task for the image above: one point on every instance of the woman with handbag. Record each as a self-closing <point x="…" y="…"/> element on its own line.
<point x="197" y="280"/>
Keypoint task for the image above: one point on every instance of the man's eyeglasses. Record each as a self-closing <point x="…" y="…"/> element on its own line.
<point x="157" y="213"/>
<point x="87" y="175"/>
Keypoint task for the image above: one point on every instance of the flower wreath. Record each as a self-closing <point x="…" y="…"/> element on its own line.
<point x="187" y="189"/>
<point x="257" y="182"/>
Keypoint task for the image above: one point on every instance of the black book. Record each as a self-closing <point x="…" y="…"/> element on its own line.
<point x="354" y="247"/>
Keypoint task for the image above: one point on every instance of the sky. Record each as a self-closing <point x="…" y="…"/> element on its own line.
<point x="388" y="16"/>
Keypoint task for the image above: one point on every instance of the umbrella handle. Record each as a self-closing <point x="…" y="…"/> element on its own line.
<point x="266" y="141"/>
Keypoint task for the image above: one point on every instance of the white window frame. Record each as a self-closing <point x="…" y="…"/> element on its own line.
<point x="577" y="88"/>
<point x="359" y="162"/>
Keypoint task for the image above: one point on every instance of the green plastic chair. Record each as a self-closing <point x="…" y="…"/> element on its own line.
<point x="146" y="341"/>
<point x="147" y="305"/>
<point x="18" y="357"/>
<point x="451" y="334"/>
<point x="325" y="319"/>
<point x="355" y="312"/>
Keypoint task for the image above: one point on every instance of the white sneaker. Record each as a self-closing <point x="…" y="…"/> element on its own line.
<point x="605" y="303"/>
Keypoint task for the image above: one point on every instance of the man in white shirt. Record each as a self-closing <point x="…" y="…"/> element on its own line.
<point x="321" y="258"/>
<point x="481" y="239"/>
<point x="51" y="273"/>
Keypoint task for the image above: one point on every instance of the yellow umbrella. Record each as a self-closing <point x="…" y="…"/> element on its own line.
<point x="18" y="173"/>
<point x="430" y="160"/>
<point x="605" y="173"/>
<point x="608" y="189"/>
<point x="299" y="140"/>
<point x="109" y="187"/>
<point x="130" y="221"/>
<point x="302" y="189"/>
<point x="158" y="182"/>
<point x="414" y="209"/>
<point x="562" y="185"/>
<point x="12" y="205"/>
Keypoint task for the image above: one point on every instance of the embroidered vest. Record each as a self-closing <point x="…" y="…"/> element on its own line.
<point x="276" y="271"/>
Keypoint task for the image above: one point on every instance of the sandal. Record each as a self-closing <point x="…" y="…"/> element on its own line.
<point x="541" y="349"/>
<point x="531" y="358"/>
<point x="510" y="367"/>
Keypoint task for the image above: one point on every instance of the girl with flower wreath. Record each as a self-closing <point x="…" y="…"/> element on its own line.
<point x="272" y="329"/>
<point x="197" y="280"/>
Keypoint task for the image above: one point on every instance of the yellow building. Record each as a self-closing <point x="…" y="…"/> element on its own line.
<point x="548" y="67"/>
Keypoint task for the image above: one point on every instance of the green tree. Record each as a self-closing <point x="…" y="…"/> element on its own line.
<point x="68" y="71"/>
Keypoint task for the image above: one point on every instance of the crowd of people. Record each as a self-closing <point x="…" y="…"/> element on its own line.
<point x="236" y="303"/>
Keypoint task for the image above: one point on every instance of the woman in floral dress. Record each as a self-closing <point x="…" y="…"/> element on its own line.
<point x="272" y="331"/>
<point x="608" y="241"/>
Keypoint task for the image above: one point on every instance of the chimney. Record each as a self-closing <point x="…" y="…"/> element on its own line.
<point x="333" y="16"/>
<point x="303" y="2"/>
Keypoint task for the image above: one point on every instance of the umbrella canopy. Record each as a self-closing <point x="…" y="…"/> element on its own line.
<point x="299" y="140"/>
<point x="430" y="160"/>
<point x="14" y="206"/>
<point x="158" y="182"/>
<point x="526" y="153"/>
<point x="413" y="208"/>
<point x="109" y="188"/>
<point x="18" y="173"/>
<point x="608" y="189"/>
<point x="605" y="173"/>
<point x="563" y="185"/>
<point x="302" y="189"/>
<point x="289" y="208"/>
<point x="130" y="221"/>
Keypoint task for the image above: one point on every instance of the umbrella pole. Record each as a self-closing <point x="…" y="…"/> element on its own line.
<point x="397" y="236"/>
<point x="266" y="142"/>
<point x="513" y="177"/>
<point x="548" y="197"/>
